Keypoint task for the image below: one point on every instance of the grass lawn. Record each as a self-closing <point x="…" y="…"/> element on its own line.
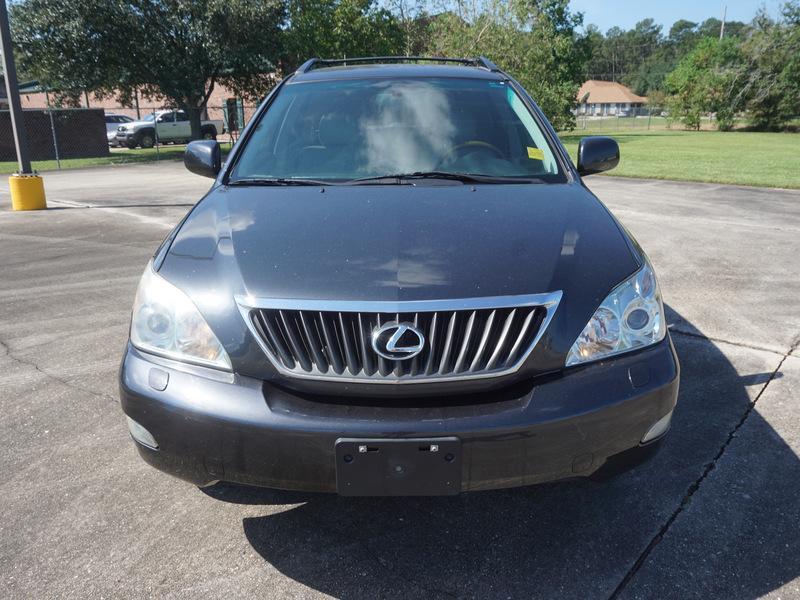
<point x="735" y="157"/>
<point x="591" y="125"/>
<point x="117" y="156"/>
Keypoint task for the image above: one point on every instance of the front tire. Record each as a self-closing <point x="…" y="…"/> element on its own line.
<point x="147" y="140"/>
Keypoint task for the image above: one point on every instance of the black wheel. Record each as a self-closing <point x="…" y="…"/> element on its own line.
<point x="209" y="134"/>
<point x="147" y="140"/>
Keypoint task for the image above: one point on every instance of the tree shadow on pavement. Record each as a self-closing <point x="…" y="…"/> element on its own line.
<point x="568" y="539"/>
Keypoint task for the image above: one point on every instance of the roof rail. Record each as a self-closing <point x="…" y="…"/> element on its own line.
<point x="485" y="62"/>
<point x="308" y="65"/>
<point x="312" y="63"/>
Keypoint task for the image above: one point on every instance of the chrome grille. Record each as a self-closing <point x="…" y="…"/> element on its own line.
<point x="476" y="337"/>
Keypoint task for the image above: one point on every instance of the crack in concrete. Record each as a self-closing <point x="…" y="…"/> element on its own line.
<point x="673" y="329"/>
<point x="640" y="561"/>
<point x="692" y="489"/>
<point x="65" y="382"/>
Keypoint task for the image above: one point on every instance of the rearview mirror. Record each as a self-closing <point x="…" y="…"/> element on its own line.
<point x="203" y="157"/>
<point x="597" y="154"/>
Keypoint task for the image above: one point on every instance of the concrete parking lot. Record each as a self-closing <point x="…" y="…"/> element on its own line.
<point x="715" y="515"/>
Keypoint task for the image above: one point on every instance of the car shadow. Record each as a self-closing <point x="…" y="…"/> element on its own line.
<point x="574" y="538"/>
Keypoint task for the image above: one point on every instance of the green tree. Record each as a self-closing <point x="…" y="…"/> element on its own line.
<point x="711" y="28"/>
<point x="660" y="56"/>
<point x="338" y="29"/>
<point x="683" y="35"/>
<point x="625" y="56"/>
<point x="645" y="57"/>
<point x="708" y="80"/>
<point x="414" y="21"/>
<point x="650" y="74"/>
<point x="642" y="56"/>
<point x="772" y="87"/>
<point x="176" y="50"/>
<point x="535" y="40"/>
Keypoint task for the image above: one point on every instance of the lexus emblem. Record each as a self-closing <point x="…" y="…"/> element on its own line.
<point x="397" y="341"/>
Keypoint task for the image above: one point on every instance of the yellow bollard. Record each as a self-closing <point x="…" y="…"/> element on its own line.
<point x="27" y="192"/>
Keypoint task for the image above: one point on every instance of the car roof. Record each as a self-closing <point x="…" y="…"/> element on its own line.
<point x="404" y="70"/>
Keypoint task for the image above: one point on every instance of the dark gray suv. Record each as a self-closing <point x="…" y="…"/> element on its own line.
<point x="398" y="285"/>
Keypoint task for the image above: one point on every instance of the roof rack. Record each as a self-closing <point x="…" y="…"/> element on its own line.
<point x="313" y="63"/>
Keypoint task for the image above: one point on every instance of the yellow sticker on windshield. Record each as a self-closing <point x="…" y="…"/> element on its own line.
<point x="535" y="153"/>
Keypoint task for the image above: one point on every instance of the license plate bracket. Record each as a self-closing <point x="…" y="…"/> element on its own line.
<point x="398" y="467"/>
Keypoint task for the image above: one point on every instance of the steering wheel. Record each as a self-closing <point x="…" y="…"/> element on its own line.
<point x="458" y="150"/>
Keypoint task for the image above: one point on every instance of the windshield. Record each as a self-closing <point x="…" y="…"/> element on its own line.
<point x="368" y="128"/>
<point x="149" y="117"/>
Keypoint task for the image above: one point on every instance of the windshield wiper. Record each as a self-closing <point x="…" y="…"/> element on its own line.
<point x="381" y="179"/>
<point x="278" y="181"/>
<point x="465" y="177"/>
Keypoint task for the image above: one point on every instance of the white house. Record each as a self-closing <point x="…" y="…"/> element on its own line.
<point x="603" y="98"/>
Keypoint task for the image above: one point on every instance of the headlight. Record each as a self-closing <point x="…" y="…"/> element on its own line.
<point x="631" y="317"/>
<point x="166" y="322"/>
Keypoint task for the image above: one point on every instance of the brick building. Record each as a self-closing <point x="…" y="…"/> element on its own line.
<point x="222" y="104"/>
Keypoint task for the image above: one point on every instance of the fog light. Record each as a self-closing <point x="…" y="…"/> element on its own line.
<point x="141" y="435"/>
<point x="658" y="429"/>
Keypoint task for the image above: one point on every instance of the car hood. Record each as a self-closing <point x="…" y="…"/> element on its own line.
<point x="403" y="242"/>
<point x="136" y="123"/>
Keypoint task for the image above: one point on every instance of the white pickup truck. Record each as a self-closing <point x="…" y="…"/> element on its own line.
<point x="165" y="126"/>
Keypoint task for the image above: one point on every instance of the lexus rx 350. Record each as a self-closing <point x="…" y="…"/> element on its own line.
<point x="398" y="284"/>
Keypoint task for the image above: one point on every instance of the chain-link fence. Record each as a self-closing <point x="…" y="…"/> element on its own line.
<point x="619" y="119"/>
<point x="643" y="118"/>
<point x="75" y="137"/>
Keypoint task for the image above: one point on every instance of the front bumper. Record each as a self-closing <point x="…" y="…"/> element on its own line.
<point x="213" y="426"/>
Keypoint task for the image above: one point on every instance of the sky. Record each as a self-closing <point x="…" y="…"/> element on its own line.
<point x="626" y="13"/>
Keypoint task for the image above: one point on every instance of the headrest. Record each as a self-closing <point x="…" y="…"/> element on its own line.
<point x="336" y="129"/>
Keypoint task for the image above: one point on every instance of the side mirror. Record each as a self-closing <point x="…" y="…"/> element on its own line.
<point x="160" y="120"/>
<point x="597" y="154"/>
<point x="203" y="157"/>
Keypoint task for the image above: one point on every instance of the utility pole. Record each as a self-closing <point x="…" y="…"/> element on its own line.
<point x="722" y="25"/>
<point x="12" y="91"/>
<point x="27" y="189"/>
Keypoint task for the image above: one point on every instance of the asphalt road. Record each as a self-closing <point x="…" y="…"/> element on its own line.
<point x="715" y="515"/>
